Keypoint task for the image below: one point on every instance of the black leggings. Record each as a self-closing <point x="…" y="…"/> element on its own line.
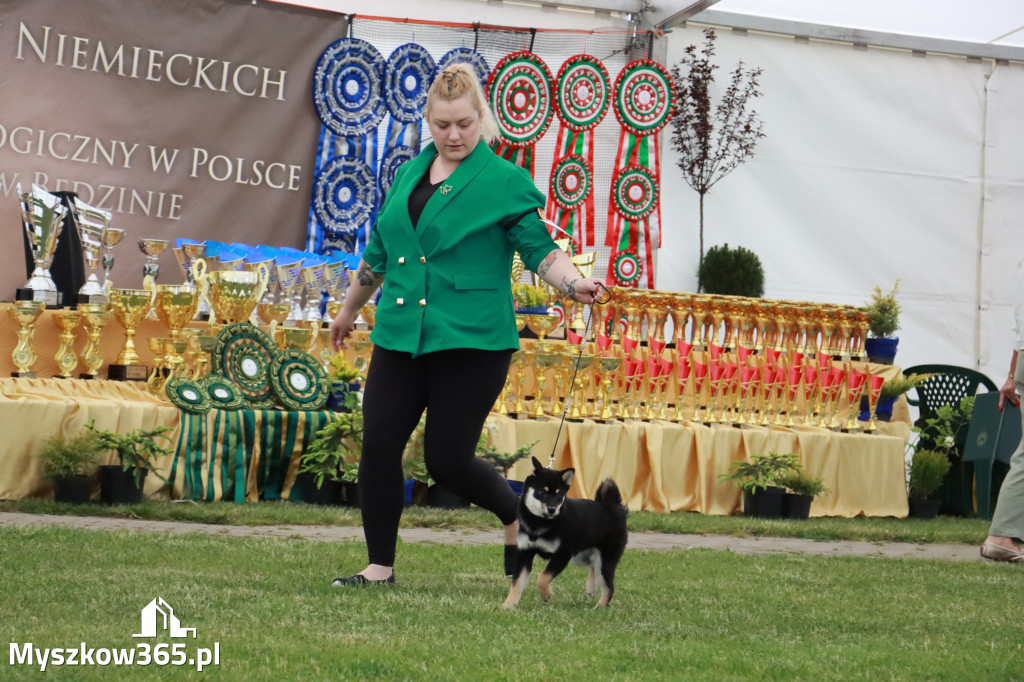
<point x="458" y="388"/>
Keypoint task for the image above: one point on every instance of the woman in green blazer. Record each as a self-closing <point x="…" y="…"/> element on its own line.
<point x="445" y="326"/>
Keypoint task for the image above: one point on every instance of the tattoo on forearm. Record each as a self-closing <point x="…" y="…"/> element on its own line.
<point x="546" y="264"/>
<point x="569" y="288"/>
<point x="367" y="277"/>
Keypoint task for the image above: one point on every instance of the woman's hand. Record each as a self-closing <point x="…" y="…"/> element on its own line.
<point x="341" y="327"/>
<point x="587" y="290"/>
<point x="1008" y="392"/>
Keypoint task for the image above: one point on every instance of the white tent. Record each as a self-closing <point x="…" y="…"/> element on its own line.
<point x="892" y="152"/>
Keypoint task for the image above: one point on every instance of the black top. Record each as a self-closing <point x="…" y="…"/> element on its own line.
<point x="419" y="196"/>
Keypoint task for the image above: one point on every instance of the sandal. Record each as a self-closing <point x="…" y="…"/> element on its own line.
<point x="994" y="552"/>
<point x="362" y="581"/>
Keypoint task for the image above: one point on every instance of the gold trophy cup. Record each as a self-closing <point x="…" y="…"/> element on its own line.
<point x="25" y="313"/>
<point x="130" y="307"/>
<point x="232" y="294"/>
<point x="111" y="238"/>
<point x="94" y="317"/>
<point x="66" y="358"/>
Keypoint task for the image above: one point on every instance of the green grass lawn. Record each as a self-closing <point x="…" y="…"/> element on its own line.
<point x="677" y="615"/>
<point x="942" y="530"/>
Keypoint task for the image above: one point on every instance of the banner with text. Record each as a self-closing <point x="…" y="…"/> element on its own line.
<point x="185" y="119"/>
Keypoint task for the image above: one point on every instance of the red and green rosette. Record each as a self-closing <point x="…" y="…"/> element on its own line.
<point x="582" y="95"/>
<point x="643" y="105"/>
<point x="520" y="94"/>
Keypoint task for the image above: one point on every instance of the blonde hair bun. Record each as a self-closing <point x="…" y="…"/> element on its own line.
<point x="460" y="80"/>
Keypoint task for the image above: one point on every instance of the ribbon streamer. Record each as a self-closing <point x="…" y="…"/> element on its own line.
<point x="582" y="96"/>
<point x="643" y="104"/>
<point x="348" y="96"/>
<point x="409" y="73"/>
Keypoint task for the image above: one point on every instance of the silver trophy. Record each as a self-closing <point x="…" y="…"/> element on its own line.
<point x="42" y="214"/>
<point x="92" y="225"/>
<point x="313" y="279"/>
<point x="112" y="238"/>
<point x="153" y="249"/>
<point x="335" y="280"/>
<point x="289" y="277"/>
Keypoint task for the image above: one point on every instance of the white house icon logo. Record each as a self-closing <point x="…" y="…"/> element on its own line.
<point x="158" y="607"/>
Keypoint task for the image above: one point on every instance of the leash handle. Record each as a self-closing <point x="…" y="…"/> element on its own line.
<point x="572" y="382"/>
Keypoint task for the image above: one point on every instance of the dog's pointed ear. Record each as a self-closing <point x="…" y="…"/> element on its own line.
<point x="568" y="475"/>
<point x="537" y="466"/>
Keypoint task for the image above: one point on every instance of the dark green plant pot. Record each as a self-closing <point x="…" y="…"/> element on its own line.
<point x="923" y="509"/>
<point x="351" y="489"/>
<point x="765" y="503"/>
<point x="72" y="489"/>
<point x="797" y="506"/>
<point x="117" y="486"/>
<point x="327" y="495"/>
<point x="438" y="496"/>
<point x="882" y="351"/>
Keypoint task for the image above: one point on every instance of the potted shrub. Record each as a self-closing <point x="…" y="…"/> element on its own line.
<point x="732" y="272"/>
<point x="138" y="454"/>
<point x="927" y="470"/>
<point x="891" y="390"/>
<point x="335" y="449"/>
<point x="529" y="299"/>
<point x="70" y="462"/>
<point x="883" y="322"/>
<point x="762" y="498"/>
<point x="343" y="379"/>
<point x="946" y="431"/>
<point x="504" y="461"/>
<point x="801" y="489"/>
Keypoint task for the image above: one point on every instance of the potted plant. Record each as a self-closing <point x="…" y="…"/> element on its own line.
<point x="70" y="462"/>
<point x="890" y="391"/>
<point x="529" y="299"/>
<point x="732" y="272"/>
<point x="927" y="470"/>
<point x="883" y="322"/>
<point x="504" y="461"/>
<point x="335" y="449"/>
<point x="801" y="489"/>
<point x="946" y="431"/>
<point x="137" y="453"/>
<point x="762" y="498"/>
<point x="343" y="379"/>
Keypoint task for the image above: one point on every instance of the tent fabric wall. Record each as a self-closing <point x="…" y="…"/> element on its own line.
<point x="872" y="170"/>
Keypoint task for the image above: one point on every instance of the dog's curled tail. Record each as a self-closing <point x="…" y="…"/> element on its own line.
<point x="608" y="493"/>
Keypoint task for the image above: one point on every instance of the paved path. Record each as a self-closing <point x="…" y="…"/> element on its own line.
<point x="649" y="541"/>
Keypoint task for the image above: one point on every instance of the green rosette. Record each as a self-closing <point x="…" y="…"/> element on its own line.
<point x="223" y="394"/>
<point x="634" y="192"/>
<point x="299" y="381"/>
<point x="244" y="358"/>
<point x="188" y="395"/>
<point x="627" y="269"/>
<point x="643" y="97"/>
<point x="582" y="92"/>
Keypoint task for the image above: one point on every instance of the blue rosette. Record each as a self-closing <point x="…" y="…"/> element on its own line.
<point x="409" y="73"/>
<point x="347" y="87"/>
<point x="468" y="56"/>
<point x="343" y="195"/>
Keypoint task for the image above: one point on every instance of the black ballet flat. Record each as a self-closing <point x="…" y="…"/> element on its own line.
<point x="362" y="581"/>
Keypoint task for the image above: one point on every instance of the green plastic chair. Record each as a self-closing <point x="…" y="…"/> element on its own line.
<point x="951" y="385"/>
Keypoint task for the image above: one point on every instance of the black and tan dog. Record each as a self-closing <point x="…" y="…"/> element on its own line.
<point x="590" y="533"/>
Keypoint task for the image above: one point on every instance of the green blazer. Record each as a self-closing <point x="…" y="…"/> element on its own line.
<point x="447" y="284"/>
